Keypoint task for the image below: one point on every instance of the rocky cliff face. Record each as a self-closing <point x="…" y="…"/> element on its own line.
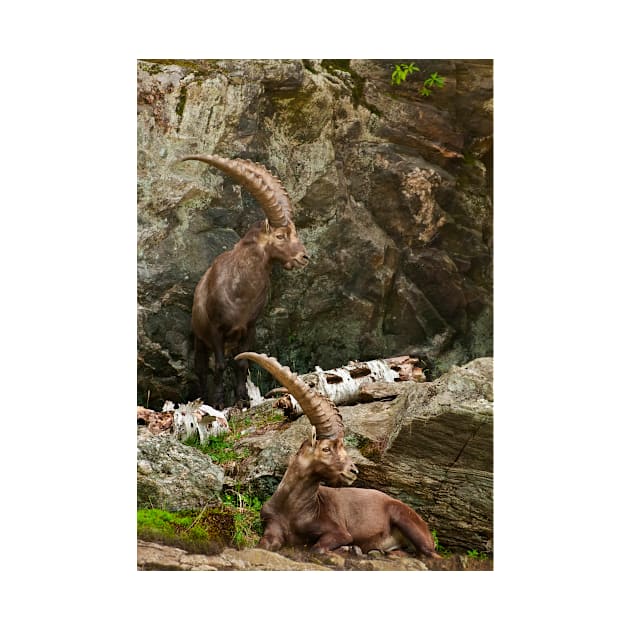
<point x="392" y="193"/>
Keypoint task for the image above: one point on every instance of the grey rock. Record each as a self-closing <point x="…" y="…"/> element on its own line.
<point x="434" y="451"/>
<point x="173" y="476"/>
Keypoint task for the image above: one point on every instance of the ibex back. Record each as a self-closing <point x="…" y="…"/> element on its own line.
<point x="302" y="511"/>
<point x="232" y="293"/>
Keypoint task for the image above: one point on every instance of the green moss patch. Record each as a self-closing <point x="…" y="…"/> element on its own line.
<point x="205" y="531"/>
<point x="234" y="523"/>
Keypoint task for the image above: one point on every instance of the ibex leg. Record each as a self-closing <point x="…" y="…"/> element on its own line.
<point x="212" y="341"/>
<point x="219" y="369"/>
<point x="201" y="368"/>
<point x="414" y="528"/>
<point x="332" y="540"/>
<point x="272" y="539"/>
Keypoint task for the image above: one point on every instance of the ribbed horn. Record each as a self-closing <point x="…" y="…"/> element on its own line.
<point x="322" y="413"/>
<point x="264" y="186"/>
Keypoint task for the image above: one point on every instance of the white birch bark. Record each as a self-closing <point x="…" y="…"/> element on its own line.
<point x="342" y="385"/>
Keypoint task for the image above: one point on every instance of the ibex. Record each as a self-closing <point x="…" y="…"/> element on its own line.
<point x="233" y="291"/>
<point x="304" y="512"/>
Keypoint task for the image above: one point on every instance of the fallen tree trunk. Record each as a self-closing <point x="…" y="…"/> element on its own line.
<point x="343" y="385"/>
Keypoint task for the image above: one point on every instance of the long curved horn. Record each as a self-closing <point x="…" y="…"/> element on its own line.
<point x="322" y="413"/>
<point x="265" y="187"/>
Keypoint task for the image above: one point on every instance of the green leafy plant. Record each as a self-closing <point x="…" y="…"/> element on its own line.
<point x="435" y="80"/>
<point x="438" y="547"/>
<point x="403" y="70"/>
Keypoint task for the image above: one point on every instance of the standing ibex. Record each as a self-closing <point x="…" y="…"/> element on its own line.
<point x="233" y="291"/>
<point x="302" y="511"/>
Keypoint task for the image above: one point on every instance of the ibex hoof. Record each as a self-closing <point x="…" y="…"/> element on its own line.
<point x="353" y="549"/>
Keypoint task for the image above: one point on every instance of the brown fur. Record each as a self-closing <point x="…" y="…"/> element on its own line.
<point x="230" y="297"/>
<point x="302" y="511"/>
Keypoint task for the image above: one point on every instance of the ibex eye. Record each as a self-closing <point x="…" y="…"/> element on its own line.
<point x="326" y="449"/>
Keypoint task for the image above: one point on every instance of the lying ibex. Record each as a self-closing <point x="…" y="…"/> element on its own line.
<point x="233" y="291"/>
<point x="302" y="511"/>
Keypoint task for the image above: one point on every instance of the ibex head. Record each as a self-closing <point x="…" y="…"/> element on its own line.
<point x="284" y="245"/>
<point x="327" y="460"/>
<point x="279" y="235"/>
<point x="324" y="454"/>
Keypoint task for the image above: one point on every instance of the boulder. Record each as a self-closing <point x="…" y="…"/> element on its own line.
<point x="173" y="476"/>
<point x="432" y="447"/>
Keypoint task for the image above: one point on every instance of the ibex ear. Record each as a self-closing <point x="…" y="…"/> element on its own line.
<point x="267" y="226"/>
<point x="313" y="436"/>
